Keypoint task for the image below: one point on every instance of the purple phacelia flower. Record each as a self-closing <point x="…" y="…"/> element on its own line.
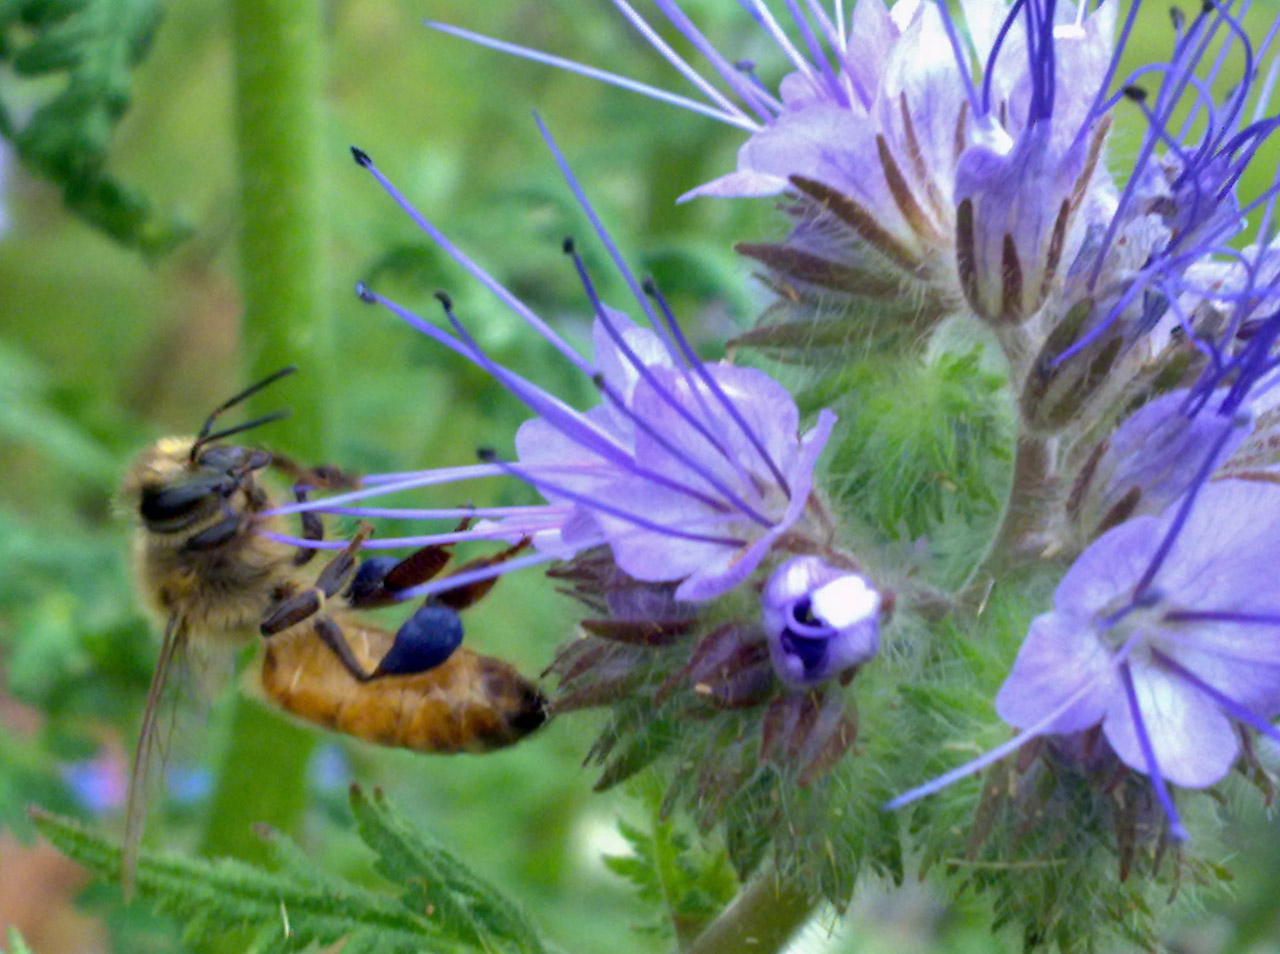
<point x="821" y="621"/>
<point x="1165" y="640"/>
<point x="1165" y="256"/>
<point x="690" y="472"/>
<point x="1153" y="457"/>
<point x="904" y="172"/>
<point x="1165" y="632"/>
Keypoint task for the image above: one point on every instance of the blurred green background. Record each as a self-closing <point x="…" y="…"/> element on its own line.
<point x="103" y="349"/>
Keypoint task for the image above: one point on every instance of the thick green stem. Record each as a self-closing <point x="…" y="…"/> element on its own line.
<point x="1022" y="524"/>
<point x="762" y="919"/>
<point x="278" y="48"/>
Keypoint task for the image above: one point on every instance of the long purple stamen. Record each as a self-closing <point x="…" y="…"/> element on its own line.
<point x="784" y="43"/>
<point x="549" y="488"/>
<point x="602" y="314"/>
<point x="581" y="430"/>
<point x="511" y="301"/>
<point x="1232" y="708"/>
<point x="1176" y="831"/>
<point x="555" y="413"/>
<point x="442" y="513"/>
<point x="762" y="104"/>
<point x="735" y="118"/>
<point x="616" y="400"/>
<point x="676" y="60"/>
<point x="628" y="276"/>
<point x="1223" y="616"/>
<point x="392" y="483"/>
<point x="504" y="532"/>
<point x="700" y="369"/>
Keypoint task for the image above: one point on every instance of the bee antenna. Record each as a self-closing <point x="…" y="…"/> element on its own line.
<point x="206" y="435"/>
<point x="227" y="432"/>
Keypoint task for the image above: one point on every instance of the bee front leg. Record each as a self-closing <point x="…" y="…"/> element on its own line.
<point x="294" y="609"/>
<point x="312" y="527"/>
<point x="305" y="480"/>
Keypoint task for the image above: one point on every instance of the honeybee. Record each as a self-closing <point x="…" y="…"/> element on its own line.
<point x="204" y="564"/>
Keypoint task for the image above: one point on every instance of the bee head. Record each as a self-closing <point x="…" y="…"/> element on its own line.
<point x="180" y="482"/>
<point x="172" y="491"/>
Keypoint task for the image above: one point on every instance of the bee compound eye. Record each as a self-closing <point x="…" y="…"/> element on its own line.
<point x="167" y="509"/>
<point x="426" y="640"/>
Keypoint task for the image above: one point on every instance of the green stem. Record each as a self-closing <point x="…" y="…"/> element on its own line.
<point x="665" y="864"/>
<point x="1022" y="524"/>
<point x="278" y="48"/>
<point x="762" y="919"/>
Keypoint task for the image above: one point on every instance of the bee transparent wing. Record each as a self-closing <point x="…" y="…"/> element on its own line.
<point x="207" y="666"/>
<point x="148" y="743"/>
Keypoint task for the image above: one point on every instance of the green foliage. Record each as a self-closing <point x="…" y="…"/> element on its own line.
<point x="72" y="641"/>
<point x="924" y="444"/>
<point x="93" y="46"/>
<point x="15" y="944"/>
<point x="442" y="905"/>
<point x="689" y="882"/>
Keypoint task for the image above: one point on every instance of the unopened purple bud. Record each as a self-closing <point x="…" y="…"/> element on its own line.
<point x="821" y="621"/>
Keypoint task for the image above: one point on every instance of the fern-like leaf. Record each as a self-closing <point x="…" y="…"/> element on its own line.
<point x="444" y="908"/>
<point x="65" y="138"/>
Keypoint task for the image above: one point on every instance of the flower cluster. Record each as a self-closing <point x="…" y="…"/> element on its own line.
<point x="931" y="170"/>
<point x="681" y="512"/>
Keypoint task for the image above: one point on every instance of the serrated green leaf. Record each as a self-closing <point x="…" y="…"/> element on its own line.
<point x="472" y="907"/>
<point x="66" y="134"/>
<point x="216" y="896"/>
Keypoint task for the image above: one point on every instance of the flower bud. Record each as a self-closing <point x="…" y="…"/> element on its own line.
<point x="821" y="621"/>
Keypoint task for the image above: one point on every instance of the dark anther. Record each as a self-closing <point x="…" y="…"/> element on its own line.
<point x="486" y="454"/>
<point x="1208" y="6"/>
<point x="365" y="293"/>
<point x="745" y="66"/>
<point x="598" y="380"/>
<point x="361" y="157"/>
<point x="1136" y="93"/>
<point x="445" y="300"/>
<point x="568" y="245"/>
<point x="650" y="286"/>
<point x="1178" y="17"/>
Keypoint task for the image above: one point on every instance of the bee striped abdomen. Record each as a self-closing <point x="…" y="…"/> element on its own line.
<point x="469" y="703"/>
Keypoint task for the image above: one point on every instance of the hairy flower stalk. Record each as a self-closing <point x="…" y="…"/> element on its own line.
<point x="681" y="512"/>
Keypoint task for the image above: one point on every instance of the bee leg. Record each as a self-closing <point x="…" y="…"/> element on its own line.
<point x="312" y="527"/>
<point x="210" y="538"/>
<point x="294" y="609"/>
<point x="463" y="596"/>
<point x="320" y="477"/>
<point x="379" y="579"/>
<point x="331" y="635"/>
<point x="426" y="640"/>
